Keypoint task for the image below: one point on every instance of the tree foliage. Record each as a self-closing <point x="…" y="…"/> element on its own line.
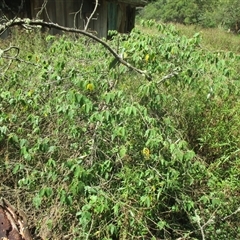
<point x="231" y="14"/>
<point x="212" y="13"/>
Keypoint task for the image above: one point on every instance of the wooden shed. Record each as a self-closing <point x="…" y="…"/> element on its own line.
<point x="110" y="14"/>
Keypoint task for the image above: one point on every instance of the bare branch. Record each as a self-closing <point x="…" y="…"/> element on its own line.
<point x="198" y="220"/>
<point x="75" y="15"/>
<point x="91" y="16"/>
<point x="2" y="52"/>
<point x="42" y="8"/>
<point x="170" y="75"/>
<point x="5" y="54"/>
<point x="228" y="216"/>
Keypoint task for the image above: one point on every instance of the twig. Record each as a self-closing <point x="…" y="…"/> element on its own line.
<point x="89" y="232"/>
<point x="199" y="225"/>
<point x="75" y="15"/>
<point x="93" y="145"/>
<point x="170" y="75"/>
<point x="41" y="10"/>
<point x="2" y="55"/>
<point x="68" y="236"/>
<point x="2" y="52"/>
<point x="89" y="19"/>
<point x="230" y="215"/>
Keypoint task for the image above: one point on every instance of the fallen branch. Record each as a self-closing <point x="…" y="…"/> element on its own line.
<point x="36" y="22"/>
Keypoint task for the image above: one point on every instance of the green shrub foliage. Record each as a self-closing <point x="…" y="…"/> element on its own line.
<point x="95" y="151"/>
<point x="207" y="13"/>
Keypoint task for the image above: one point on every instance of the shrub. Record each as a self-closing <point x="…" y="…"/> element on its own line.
<point x="95" y="151"/>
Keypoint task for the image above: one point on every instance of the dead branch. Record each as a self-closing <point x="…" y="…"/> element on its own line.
<point x="170" y="75"/>
<point x="36" y="22"/>
<point x="201" y="228"/>
<point x="91" y="16"/>
<point x="42" y="8"/>
<point x="228" y="216"/>
<point x="5" y="54"/>
<point x="75" y="15"/>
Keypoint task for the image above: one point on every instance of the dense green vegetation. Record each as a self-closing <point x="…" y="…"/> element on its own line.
<point x="92" y="150"/>
<point x="207" y="13"/>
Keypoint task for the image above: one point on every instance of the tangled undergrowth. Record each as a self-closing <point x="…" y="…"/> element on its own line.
<point x="92" y="150"/>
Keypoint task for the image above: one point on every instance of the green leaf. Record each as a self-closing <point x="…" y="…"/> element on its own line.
<point x="116" y="209"/>
<point x="37" y="201"/>
<point x="122" y="151"/>
<point x="113" y="63"/>
<point x="161" y="225"/>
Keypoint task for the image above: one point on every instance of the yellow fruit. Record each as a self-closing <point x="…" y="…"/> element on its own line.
<point x="146" y="153"/>
<point x="30" y="92"/>
<point x="147" y="57"/>
<point x="90" y="87"/>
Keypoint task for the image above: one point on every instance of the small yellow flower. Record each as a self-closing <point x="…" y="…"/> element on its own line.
<point x="146" y="153"/>
<point x="90" y="87"/>
<point x="30" y="92"/>
<point x="147" y="57"/>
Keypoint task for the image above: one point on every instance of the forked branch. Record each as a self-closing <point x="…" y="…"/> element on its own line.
<point x="91" y="16"/>
<point x="41" y="10"/>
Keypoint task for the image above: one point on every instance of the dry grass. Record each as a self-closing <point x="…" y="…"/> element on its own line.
<point x="213" y="39"/>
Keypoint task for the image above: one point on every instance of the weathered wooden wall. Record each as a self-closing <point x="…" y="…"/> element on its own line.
<point x="73" y="13"/>
<point x="121" y="17"/>
<point x="110" y="15"/>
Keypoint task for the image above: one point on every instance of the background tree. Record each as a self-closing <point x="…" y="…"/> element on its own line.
<point x="212" y="13"/>
<point x="183" y="11"/>
<point x="230" y="12"/>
